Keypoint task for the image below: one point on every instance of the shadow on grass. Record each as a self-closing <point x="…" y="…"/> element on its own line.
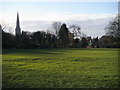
<point x="31" y="51"/>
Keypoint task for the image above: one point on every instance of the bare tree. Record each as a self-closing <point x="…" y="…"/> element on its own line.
<point x="56" y="27"/>
<point x="113" y="29"/>
<point x="83" y="35"/>
<point x="2" y="27"/>
<point x="6" y="27"/>
<point x="76" y="30"/>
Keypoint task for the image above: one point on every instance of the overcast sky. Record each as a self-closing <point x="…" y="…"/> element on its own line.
<point x="92" y="17"/>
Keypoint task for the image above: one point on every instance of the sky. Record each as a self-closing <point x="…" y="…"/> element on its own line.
<point x="92" y="17"/>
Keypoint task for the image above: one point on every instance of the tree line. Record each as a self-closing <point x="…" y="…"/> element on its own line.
<point x="59" y="37"/>
<point x="63" y="37"/>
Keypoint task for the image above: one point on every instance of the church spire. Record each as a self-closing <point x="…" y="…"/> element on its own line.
<point x="17" y="29"/>
<point x="18" y="19"/>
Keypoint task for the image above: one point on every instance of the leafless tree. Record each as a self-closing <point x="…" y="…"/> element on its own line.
<point x="2" y="27"/>
<point x="6" y="27"/>
<point x="113" y="28"/>
<point x="83" y="35"/>
<point x="56" y="27"/>
<point x="76" y="30"/>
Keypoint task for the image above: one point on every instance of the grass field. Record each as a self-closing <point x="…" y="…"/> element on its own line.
<point x="60" y="68"/>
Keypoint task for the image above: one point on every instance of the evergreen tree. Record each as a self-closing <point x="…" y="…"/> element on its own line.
<point x="63" y="36"/>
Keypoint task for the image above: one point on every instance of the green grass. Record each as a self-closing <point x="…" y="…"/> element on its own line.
<point x="60" y="68"/>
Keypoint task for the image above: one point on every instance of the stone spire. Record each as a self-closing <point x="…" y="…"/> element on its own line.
<point x="17" y="29"/>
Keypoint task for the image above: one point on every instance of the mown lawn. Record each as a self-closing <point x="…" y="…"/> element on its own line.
<point x="60" y="68"/>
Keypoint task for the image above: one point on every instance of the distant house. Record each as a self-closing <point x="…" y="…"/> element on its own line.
<point x="71" y="37"/>
<point x="89" y="41"/>
<point x="89" y="44"/>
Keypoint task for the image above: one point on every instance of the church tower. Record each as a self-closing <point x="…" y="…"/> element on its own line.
<point x="17" y="29"/>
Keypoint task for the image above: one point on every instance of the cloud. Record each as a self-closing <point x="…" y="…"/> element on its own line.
<point x="65" y="16"/>
<point x="91" y="24"/>
<point x="35" y="25"/>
